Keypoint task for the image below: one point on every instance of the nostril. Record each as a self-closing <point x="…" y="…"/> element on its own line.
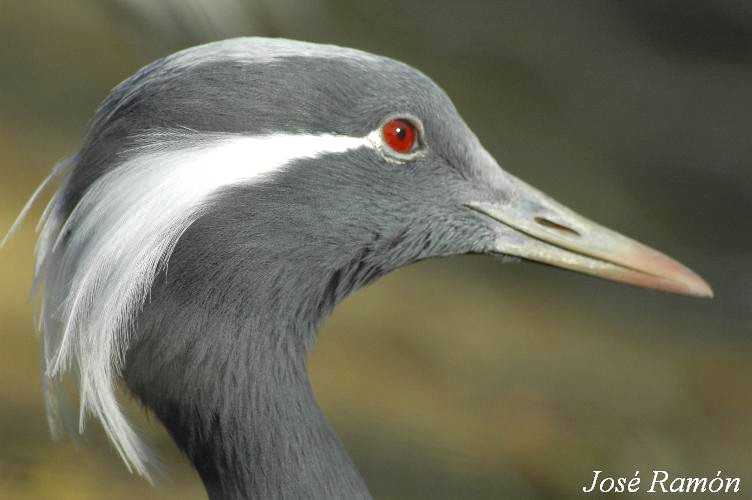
<point x="555" y="225"/>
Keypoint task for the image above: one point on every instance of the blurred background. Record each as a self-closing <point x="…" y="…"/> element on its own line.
<point x="457" y="378"/>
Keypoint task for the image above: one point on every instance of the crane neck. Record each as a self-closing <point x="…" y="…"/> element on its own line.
<point x="220" y="350"/>
<point x="234" y="393"/>
<point x="272" y="441"/>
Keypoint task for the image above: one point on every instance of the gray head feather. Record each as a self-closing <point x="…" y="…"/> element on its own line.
<point x="172" y="145"/>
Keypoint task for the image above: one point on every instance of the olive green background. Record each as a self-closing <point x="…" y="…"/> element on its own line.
<point x="457" y="378"/>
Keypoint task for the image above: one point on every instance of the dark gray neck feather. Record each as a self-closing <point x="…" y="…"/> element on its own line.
<point x="237" y="400"/>
<point x="220" y="357"/>
<point x="254" y="431"/>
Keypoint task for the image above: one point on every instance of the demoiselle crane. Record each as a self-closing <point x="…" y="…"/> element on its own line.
<point x="224" y="200"/>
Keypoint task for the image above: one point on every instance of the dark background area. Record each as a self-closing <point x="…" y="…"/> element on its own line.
<point x="457" y="378"/>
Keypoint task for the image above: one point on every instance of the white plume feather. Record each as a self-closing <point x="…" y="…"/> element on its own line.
<point x="96" y="265"/>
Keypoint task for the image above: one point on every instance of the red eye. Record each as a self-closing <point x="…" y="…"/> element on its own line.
<point x="400" y="135"/>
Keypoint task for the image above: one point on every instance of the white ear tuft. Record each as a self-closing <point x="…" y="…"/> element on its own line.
<point x="96" y="264"/>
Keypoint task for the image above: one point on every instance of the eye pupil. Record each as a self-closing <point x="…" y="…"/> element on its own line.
<point x="400" y="135"/>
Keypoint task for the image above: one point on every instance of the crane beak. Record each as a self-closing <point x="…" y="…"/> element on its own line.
<point x="533" y="226"/>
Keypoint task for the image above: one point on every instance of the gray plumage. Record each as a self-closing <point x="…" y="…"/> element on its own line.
<point x="224" y="200"/>
<point x="224" y="366"/>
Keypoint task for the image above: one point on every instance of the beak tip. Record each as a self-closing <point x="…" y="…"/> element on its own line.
<point x="664" y="273"/>
<point x="702" y="289"/>
<point x="687" y="282"/>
